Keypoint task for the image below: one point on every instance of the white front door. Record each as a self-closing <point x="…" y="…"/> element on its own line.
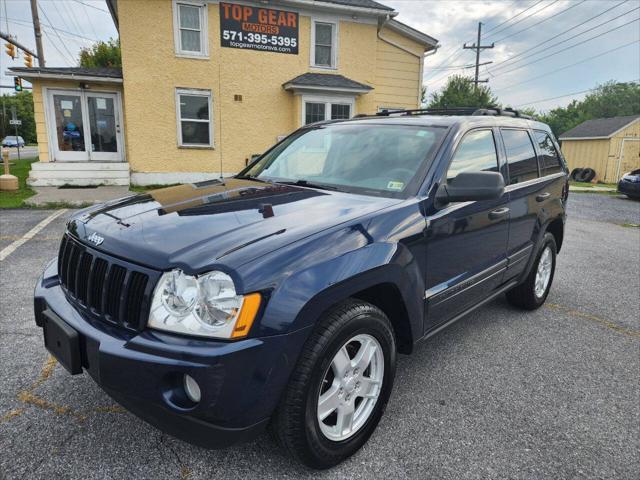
<point x="87" y="126"/>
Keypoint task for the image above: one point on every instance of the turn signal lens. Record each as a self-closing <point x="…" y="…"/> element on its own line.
<point x="248" y="313"/>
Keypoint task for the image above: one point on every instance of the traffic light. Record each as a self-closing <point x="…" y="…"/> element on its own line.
<point x="28" y="60"/>
<point x="10" y="48"/>
<point x="17" y="84"/>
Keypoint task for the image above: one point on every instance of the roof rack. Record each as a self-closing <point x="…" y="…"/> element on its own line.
<point x="458" y="111"/>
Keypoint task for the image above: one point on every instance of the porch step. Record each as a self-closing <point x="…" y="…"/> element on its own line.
<point x="55" y="174"/>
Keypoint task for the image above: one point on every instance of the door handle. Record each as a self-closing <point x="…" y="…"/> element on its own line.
<point x="542" y="197"/>
<point x="498" y="214"/>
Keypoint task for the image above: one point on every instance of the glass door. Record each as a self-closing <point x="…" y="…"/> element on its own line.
<point x="87" y="126"/>
<point x="69" y="122"/>
<point x="104" y="126"/>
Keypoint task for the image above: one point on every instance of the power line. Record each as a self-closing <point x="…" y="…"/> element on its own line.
<point x="455" y="54"/>
<point x="510" y="59"/>
<point x="570" y="47"/>
<point x="524" y="18"/>
<point x="511" y="18"/>
<point x="46" y="25"/>
<point x="574" y="5"/>
<point x="58" y="35"/>
<point x="89" y="18"/>
<point x="569" y="66"/>
<point x="92" y="6"/>
<point x="64" y="57"/>
<point x="567" y="95"/>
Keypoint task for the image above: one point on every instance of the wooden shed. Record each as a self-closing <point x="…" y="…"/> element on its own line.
<point x="611" y="146"/>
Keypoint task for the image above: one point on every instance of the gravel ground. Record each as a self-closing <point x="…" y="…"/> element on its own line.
<point x="501" y="394"/>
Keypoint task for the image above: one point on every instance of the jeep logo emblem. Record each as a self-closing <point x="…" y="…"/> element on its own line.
<point x="95" y="239"/>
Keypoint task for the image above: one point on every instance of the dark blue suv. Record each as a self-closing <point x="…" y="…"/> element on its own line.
<point x="281" y="296"/>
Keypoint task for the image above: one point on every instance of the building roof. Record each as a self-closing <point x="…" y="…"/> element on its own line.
<point x="410" y="32"/>
<point x="76" y="73"/>
<point x="360" y="3"/>
<point x="326" y="81"/>
<point x="598" y="128"/>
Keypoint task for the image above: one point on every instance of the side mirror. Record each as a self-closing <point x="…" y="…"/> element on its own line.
<point x="471" y="186"/>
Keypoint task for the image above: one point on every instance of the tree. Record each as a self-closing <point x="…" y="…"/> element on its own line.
<point x="102" y="54"/>
<point x="611" y="99"/>
<point x="460" y="92"/>
<point x="23" y="102"/>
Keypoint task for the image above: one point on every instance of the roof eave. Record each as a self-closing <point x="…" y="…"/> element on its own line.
<point x="63" y="76"/>
<point x="112" y="5"/>
<point x="319" y="88"/>
<point x="377" y="12"/>
<point x="412" y="33"/>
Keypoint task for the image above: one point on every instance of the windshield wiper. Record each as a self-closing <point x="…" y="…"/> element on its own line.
<point x="306" y="183"/>
<point x="255" y="179"/>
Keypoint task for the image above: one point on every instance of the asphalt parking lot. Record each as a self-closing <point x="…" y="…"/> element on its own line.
<point x="501" y="394"/>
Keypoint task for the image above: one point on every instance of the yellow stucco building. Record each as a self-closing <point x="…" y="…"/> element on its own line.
<point x="205" y="85"/>
<point x="610" y="146"/>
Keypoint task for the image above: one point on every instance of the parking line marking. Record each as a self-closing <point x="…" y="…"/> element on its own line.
<point x="9" y="249"/>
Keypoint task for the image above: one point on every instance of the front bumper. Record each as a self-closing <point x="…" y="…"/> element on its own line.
<point x="240" y="381"/>
<point x="629" y="188"/>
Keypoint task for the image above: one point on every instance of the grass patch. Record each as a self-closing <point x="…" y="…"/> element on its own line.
<point x="19" y="168"/>
<point x="631" y="225"/>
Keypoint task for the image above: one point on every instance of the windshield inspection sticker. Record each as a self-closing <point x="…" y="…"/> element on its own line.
<point x="395" y="185"/>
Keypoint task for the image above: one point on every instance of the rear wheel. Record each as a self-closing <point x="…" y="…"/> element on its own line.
<point x="532" y="293"/>
<point x="340" y="387"/>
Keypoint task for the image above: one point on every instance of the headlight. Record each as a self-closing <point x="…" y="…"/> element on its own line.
<point x="206" y="305"/>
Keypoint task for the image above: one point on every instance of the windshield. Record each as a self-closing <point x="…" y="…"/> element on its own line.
<point x="382" y="159"/>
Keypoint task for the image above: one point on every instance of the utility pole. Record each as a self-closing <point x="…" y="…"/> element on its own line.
<point x="477" y="47"/>
<point x="37" y="32"/>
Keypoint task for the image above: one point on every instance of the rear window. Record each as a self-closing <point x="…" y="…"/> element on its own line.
<point x="550" y="162"/>
<point x="521" y="156"/>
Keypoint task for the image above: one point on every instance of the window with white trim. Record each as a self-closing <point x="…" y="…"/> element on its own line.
<point x="319" y="111"/>
<point x="324" y="44"/>
<point x="193" y="111"/>
<point x="190" y="28"/>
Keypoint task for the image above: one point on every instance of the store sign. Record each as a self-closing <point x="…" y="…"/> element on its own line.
<point x="254" y="28"/>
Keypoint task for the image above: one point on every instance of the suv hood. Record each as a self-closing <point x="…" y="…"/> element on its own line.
<point x="195" y="226"/>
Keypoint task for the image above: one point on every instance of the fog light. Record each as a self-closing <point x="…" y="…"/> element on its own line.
<point x="192" y="388"/>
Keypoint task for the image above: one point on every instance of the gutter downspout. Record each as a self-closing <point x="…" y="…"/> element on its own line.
<point x="386" y="20"/>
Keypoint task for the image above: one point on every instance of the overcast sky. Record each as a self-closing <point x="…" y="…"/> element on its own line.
<point x="518" y="41"/>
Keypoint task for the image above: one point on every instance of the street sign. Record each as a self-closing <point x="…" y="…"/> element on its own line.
<point x="15" y="122"/>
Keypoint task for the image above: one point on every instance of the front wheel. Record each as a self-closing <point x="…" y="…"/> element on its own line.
<point x="532" y="293"/>
<point x="340" y="387"/>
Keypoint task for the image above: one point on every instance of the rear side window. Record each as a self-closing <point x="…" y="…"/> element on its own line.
<point x="550" y="162"/>
<point x="476" y="153"/>
<point x="521" y="156"/>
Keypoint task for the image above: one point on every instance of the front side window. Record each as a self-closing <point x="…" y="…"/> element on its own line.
<point x="521" y="157"/>
<point x="191" y="37"/>
<point x="194" y="118"/>
<point x="476" y="153"/>
<point x="550" y="162"/>
<point x="371" y="159"/>
<point x="324" y="48"/>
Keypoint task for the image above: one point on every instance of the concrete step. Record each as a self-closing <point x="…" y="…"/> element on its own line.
<point x="55" y="174"/>
<point x="80" y="166"/>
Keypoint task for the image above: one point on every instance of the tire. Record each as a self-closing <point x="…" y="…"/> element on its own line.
<point x="296" y="422"/>
<point x="524" y="295"/>
<point x="575" y="174"/>
<point x="587" y="175"/>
